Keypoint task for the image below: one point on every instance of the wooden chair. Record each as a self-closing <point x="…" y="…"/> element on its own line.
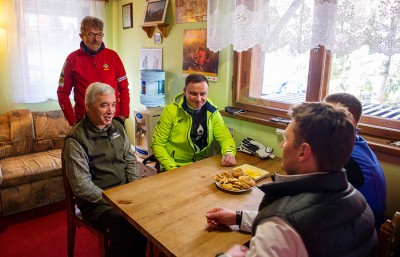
<point x="389" y="237"/>
<point x="74" y="220"/>
<point x="153" y="158"/>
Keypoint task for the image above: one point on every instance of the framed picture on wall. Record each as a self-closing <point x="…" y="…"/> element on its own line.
<point x="190" y="10"/>
<point x="155" y="12"/>
<point x="150" y="58"/>
<point x="197" y="58"/>
<point x="127" y="19"/>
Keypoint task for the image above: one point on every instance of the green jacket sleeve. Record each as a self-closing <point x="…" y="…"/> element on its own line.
<point x="222" y="135"/>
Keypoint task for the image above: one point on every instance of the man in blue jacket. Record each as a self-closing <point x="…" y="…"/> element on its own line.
<point x="374" y="187"/>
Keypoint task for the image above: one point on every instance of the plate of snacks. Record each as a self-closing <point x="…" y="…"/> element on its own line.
<point x="235" y="182"/>
<point x="251" y="171"/>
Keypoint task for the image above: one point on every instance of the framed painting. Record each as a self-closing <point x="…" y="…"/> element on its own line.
<point x="127" y="19"/>
<point x="191" y="11"/>
<point x="197" y="58"/>
<point x="155" y="12"/>
<point x="150" y="58"/>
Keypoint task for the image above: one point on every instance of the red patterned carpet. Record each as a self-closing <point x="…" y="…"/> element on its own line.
<point x="43" y="233"/>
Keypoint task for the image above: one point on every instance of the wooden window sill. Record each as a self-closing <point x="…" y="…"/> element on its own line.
<point x="378" y="144"/>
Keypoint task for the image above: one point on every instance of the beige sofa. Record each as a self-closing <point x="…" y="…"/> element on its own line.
<point x="30" y="159"/>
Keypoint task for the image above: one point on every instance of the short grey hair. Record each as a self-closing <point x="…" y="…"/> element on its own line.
<point x="95" y="89"/>
<point x="91" y="22"/>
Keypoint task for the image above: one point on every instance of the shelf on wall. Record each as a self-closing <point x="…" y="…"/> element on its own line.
<point x="149" y="29"/>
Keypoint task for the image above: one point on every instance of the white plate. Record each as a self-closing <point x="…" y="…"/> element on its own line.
<point x="232" y="191"/>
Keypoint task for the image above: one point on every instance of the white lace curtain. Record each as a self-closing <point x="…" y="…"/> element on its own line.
<point x="340" y="25"/>
<point x="40" y="35"/>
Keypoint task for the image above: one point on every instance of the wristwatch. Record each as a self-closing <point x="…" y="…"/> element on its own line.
<point x="239" y="217"/>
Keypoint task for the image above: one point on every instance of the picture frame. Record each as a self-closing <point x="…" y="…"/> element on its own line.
<point x="150" y="58"/>
<point x="157" y="38"/>
<point x="127" y="17"/>
<point x="197" y="58"/>
<point x="155" y="12"/>
<point x="190" y="11"/>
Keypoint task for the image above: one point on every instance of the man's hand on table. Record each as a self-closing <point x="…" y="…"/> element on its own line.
<point x="237" y="251"/>
<point x="228" y="160"/>
<point x="220" y="216"/>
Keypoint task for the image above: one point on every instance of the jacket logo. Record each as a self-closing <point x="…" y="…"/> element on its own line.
<point x="115" y="135"/>
<point x="106" y="67"/>
<point x="179" y="121"/>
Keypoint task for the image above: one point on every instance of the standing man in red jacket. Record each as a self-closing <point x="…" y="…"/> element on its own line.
<point x="92" y="62"/>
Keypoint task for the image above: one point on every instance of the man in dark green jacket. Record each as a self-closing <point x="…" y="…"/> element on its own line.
<point x="188" y="127"/>
<point x="98" y="156"/>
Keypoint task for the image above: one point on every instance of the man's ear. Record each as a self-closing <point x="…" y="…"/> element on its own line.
<point x="87" y="106"/>
<point x="305" y="152"/>
<point x="81" y="36"/>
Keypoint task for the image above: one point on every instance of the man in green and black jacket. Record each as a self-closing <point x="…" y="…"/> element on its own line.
<point x="188" y="126"/>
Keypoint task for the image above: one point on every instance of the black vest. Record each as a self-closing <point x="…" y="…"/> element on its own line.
<point x="332" y="217"/>
<point x="105" y="152"/>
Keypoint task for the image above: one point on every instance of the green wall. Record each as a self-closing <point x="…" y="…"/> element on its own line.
<point x="128" y="43"/>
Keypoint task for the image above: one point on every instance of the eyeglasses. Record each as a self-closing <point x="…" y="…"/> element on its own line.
<point x="92" y="35"/>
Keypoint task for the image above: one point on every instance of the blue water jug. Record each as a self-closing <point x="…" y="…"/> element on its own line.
<point x="152" y="93"/>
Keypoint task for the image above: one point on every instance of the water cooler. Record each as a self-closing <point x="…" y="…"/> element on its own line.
<point x="152" y="91"/>
<point x="145" y="122"/>
<point x="153" y="97"/>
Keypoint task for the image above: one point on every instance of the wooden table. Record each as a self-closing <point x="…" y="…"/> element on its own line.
<point x="169" y="208"/>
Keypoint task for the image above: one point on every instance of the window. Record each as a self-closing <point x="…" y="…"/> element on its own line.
<point x="284" y="28"/>
<point x="40" y="35"/>
<point x="271" y="83"/>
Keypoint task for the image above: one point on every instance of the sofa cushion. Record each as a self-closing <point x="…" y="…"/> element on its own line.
<point x="4" y="129"/>
<point x="41" y="125"/>
<point x="28" y="168"/>
<point x="6" y="149"/>
<point x="43" y="138"/>
<point x="58" y="127"/>
<point x="21" y="131"/>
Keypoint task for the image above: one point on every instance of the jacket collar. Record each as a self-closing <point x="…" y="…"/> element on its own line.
<point x="180" y="101"/>
<point x="86" y="50"/>
<point x="92" y="131"/>
<point x="316" y="182"/>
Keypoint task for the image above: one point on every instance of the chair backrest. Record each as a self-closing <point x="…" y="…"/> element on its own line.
<point x="153" y="158"/>
<point x="69" y="196"/>
<point x="73" y="213"/>
<point x="75" y="219"/>
<point x="389" y="237"/>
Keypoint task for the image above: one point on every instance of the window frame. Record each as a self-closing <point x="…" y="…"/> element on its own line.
<point x="317" y="86"/>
